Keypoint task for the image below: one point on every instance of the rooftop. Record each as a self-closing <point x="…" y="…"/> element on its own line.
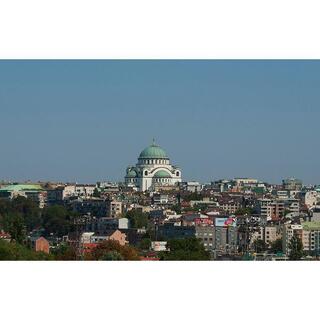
<point x="153" y="152"/>
<point x="21" y="187"/>
<point x="311" y="226"/>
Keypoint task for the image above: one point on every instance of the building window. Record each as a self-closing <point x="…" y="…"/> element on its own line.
<point x="146" y="173"/>
<point x="177" y="173"/>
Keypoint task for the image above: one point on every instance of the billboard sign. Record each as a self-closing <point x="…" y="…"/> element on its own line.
<point x="206" y="221"/>
<point x="226" y="222"/>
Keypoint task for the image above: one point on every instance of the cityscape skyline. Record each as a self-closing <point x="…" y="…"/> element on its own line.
<point x="124" y="180"/>
<point x="87" y="120"/>
<point x="140" y="140"/>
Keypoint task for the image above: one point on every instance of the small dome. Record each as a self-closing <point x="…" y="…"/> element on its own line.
<point x="162" y="174"/>
<point x="131" y="174"/>
<point x="153" y="152"/>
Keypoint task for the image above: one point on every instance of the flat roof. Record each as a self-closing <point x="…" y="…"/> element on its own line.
<point x="21" y="187"/>
<point x="311" y="226"/>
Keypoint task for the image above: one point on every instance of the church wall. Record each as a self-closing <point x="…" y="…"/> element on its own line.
<point x="152" y="166"/>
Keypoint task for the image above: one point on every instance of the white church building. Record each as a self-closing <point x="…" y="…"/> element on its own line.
<point x="153" y="169"/>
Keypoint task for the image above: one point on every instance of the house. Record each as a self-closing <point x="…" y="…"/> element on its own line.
<point x="42" y="245"/>
<point x="95" y="238"/>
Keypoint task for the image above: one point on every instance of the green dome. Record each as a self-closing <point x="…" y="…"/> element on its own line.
<point x="162" y="174"/>
<point x="131" y="174"/>
<point x="153" y="152"/>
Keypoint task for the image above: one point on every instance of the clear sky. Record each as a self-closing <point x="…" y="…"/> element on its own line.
<point x="85" y="121"/>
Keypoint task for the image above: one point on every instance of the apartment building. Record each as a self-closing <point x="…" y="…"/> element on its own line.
<point x="206" y="233"/>
<point x="288" y="232"/>
<point x="311" y="237"/>
<point x="268" y="234"/>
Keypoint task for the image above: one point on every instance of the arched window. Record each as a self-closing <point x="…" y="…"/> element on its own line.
<point x="146" y="173"/>
<point x="177" y="173"/>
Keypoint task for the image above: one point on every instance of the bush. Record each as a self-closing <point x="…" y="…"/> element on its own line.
<point x="188" y="249"/>
<point x="15" y="251"/>
<point x="110" y="249"/>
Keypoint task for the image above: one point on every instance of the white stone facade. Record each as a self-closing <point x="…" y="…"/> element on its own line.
<point x="153" y="169"/>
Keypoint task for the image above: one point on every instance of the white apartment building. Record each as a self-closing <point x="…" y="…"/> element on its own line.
<point x="115" y="209"/>
<point x="310" y="199"/>
<point x="288" y="232"/>
<point x="268" y="234"/>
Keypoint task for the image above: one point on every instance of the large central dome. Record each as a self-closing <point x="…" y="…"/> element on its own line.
<point x="153" y="152"/>
<point x="153" y="171"/>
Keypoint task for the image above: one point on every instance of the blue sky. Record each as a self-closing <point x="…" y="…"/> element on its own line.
<point x="86" y="121"/>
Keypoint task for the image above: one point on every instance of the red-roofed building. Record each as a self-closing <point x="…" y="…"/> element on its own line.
<point x="5" y="236"/>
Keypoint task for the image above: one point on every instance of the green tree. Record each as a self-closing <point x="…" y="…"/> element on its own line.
<point x="259" y="246"/>
<point x="16" y="251"/>
<point x="64" y="252"/>
<point x="145" y="244"/>
<point x="13" y="224"/>
<point x="200" y="207"/>
<point x="29" y="210"/>
<point x="108" y="249"/>
<point x="276" y="246"/>
<point x="96" y="193"/>
<point x="26" y="208"/>
<point x="194" y="196"/>
<point x="112" y="256"/>
<point x="296" y="248"/>
<point x="138" y="219"/>
<point x="187" y="249"/>
<point x="176" y="208"/>
<point x="284" y="214"/>
<point x="58" y="220"/>
<point x="245" y="211"/>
